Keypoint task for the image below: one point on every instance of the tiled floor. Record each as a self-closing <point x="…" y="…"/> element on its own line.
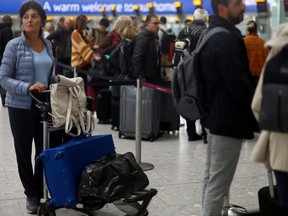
<point x="177" y="174"/>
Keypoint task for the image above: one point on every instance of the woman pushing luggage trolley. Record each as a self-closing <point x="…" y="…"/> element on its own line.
<point x="65" y="164"/>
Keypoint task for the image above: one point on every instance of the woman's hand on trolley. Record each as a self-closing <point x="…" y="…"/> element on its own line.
<point x="38" y="86"/>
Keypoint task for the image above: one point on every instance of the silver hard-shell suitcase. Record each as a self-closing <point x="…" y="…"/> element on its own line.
<point x="150" y="112"/>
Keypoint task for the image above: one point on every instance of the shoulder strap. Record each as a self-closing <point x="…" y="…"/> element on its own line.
<point x="207" y="34"/>
<point x="187" y="30"/>
<point x="196" y="30"/>
<point x="164" y="32"/>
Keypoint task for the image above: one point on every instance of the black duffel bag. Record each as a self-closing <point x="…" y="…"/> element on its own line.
<point x="110" y="179"/>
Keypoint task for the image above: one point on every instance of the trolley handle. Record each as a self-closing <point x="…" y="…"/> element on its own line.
<point x="44" y="106"/>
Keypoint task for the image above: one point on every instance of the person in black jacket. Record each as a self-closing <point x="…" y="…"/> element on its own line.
<point x="193" y="32"/>
<point x="195" y="29"/>
<point x="6" y="34"/>
<point x="61" y="38"/>
<point x="121" y="56"/>
<point x="146" y="55"/>
<point x="228" y="92"/>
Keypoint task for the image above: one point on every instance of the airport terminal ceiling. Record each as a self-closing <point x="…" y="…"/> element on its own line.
<point x="93" y="8"/>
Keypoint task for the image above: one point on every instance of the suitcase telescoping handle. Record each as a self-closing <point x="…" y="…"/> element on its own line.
<point x="271" y="183"/>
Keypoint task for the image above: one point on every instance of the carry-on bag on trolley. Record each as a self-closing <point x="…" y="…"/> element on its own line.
<point x="69" y="106"/>
<point x="150" y="112"/>
<point x="116" y="179"/>
<point x="63" y="166"/>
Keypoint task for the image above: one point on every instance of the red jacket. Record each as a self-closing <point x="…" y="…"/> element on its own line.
<point x="110" y="39"/>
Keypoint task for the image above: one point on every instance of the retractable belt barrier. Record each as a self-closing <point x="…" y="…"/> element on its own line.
<point x="157" y="87"/>
<point x="115" y="81"/>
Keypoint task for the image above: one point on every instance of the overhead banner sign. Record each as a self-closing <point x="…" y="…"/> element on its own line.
<point x="124" y="7"/>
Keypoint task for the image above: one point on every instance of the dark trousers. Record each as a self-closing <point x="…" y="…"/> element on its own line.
<point x="282" y="188"/>
<point x="191" y="128"/>
<point x="26" y="126"/>
<point x="3" y="95"/>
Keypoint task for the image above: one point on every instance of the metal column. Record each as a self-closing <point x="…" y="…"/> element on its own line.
<point x="138" y="128"/>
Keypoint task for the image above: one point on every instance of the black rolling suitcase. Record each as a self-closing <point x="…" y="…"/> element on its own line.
<point x="268" y="200"/>
<point x="115" y="107"/>
<point x="103" y="106"/>
<point x="169" y="118"/>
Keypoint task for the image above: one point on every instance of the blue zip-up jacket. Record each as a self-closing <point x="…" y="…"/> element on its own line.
<point x="17" y="71"/>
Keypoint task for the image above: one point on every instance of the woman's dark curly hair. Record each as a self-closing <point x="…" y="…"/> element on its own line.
<point x="35" y="6"/>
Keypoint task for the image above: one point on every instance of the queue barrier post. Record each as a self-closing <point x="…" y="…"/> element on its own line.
<point x="138" y="129"/>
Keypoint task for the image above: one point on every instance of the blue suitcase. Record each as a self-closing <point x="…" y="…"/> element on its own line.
<point x="63" y="166"/>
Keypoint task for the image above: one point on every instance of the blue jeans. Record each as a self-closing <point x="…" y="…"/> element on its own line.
<point x="221" y="162"/>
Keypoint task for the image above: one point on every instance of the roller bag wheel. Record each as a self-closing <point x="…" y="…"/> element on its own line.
<point x="269" y="206"/>
<point x="63" y="166"/>
<point x="150" y="113"/>
<point x="115" y="112"/>
<point x="103" y="106"/>
<point x="268" y="199"/>
<point x="169" y="119"/>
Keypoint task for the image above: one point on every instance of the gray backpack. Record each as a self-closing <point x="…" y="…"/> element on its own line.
<point x="187" y="88"/>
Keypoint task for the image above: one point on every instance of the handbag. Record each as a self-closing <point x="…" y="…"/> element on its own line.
<point x="111" y="179"/>
<point x="68" y="105"/>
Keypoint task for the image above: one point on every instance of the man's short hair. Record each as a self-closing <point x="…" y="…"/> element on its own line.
<point x="163" y="20"/>
<point x="7" y="20"/>
<point x="187" y="21"/>
<point x="215" y="3"/>
<point x="149" y="17"/>
<point x="201" y="15"/>
<point x="104" y="22"/>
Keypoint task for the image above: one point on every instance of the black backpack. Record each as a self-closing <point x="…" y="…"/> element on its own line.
<point x="125" y="60"/>
<point x="107" y="68"/>
<point x="167" y="42"/>
<point x="183" y="43"/>
<point x="187" y="84"/>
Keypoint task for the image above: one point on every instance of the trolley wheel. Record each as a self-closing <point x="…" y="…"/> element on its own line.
<point x="43" y="211"/>
<point x="145" y="213"/>
<point x="119" y="135"/>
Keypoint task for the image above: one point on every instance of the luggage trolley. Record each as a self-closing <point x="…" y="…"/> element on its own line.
<point x="63" y="166"/>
